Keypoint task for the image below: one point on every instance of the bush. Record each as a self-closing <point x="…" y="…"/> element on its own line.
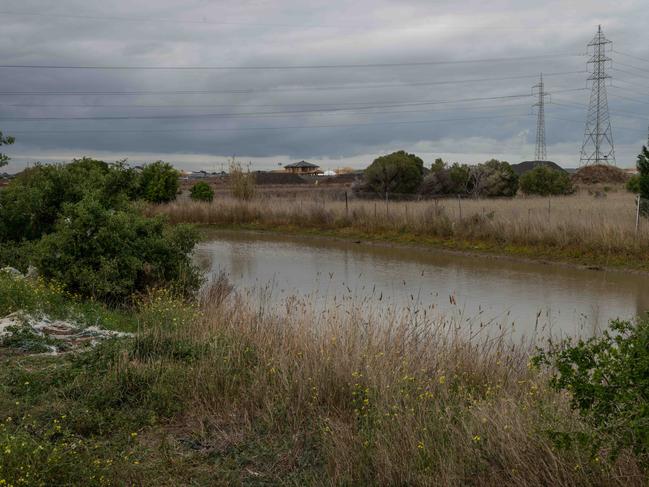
<point x="109" y="255"/>
<point x="545" y="181"/>
<point x="77" y="225"/>
<point x="608" y="380"/>
<point x="633" y="184"/>
<point x="201" y="191"/>
<point x="159" y="182"/>
<point x="398" y="172"/>
<point x="31" y="204"/>
<point x="242" y="183"/>
<point x="493" y="179"/>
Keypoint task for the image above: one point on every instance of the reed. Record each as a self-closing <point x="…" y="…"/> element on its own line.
<point x="578" y="225"/>
<point x="356" y="397"/>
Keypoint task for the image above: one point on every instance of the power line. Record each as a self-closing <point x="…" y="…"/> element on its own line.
<point x="632" y="56"/>
<point x="286" y="67"/>
<point x="287" y="89"/>
<point x="297" y="127"/>
<point x="235" y="115"/>
<point x="632" y="67"/>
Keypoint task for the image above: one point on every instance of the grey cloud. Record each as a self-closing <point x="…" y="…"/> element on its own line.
<point x="317" y="32"/>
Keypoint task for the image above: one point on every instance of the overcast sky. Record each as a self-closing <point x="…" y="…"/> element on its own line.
<point x="336" y="115"/>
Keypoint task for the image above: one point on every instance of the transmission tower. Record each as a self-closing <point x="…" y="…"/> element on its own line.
<point x="598" y="145"/>
<point x="540" y="153"/>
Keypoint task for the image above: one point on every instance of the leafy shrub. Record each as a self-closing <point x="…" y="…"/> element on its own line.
<point x="546" y="181"/>
<point x="242" y="183"/>
<point x="491" y="179"/>
<point x="201" y="191"/>
<point x="31" y="204"/>
<point x="109" y="255"/>
<point x="78" y="225"/>
<point x="633" y="184"/>
<point x="608" y="380"/>
<point x="5" y="140"/>
<point x="445" y="180"/>
<point x="159" y="182"/>
<point x="398" y="172"/>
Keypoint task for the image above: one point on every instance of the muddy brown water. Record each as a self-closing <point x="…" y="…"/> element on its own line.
<point x="537" y="299"/>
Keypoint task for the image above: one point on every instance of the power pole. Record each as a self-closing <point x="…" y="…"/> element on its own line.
<point x="540" y="153"/>
<point x="598" y="145"/>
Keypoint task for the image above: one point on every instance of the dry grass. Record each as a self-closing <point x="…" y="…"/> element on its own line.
<point x="574" y="226"/>
<point x="347" y="397"/>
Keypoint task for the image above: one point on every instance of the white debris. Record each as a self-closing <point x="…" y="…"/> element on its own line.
<point x="13" y="272"/>
<point x="70" y="335"/>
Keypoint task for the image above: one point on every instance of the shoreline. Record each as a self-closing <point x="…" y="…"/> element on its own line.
<point x="482" y="249"/>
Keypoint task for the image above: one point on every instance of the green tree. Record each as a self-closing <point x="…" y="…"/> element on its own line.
<point x="398" y="172"/>
<point x="493" y="178"/>
<point x="546" y="181"/>
<point x="5" y="140"/>
<point x="438" y="165"/>
<point x="159" y="182"/>
<point x="201" y="191"/>
<point x="643" y="169"/>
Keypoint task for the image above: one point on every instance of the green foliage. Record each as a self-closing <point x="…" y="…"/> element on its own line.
<point x="159" y="182"/>
<point x="633" y="184"/>
<point x="438" y="165"/>
<point x="31" y="204"/>
<point x="643" y="184"/>
<point x="5" y="140"/>
<point x="398" y="172"/>
<point x="76" y="223"/>
<point x="109" y="255"/>
<point x="608" y="380"/>
<point x="546" y="181"/>
<point x="493" y="178"/>
<point x="201" y="191"/>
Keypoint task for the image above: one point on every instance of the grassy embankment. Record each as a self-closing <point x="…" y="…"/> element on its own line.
<point x="224" y="393"/>
<point x="579" y="229"/>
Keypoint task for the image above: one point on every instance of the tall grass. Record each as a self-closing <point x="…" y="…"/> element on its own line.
<point x="343" y="397"/>
<point x="577" y="225"/>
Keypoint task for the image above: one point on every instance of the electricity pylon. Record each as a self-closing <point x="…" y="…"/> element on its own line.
<point x="540" y="152"/>
<point x="598" y="145"/>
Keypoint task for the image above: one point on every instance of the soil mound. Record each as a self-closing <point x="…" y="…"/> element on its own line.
<point x="599" y="174"/>
<point x="527" y="166"/>
<point x="264" y="178"/>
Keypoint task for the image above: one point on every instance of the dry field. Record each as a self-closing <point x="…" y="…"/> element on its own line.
<point x="578" y="226"/>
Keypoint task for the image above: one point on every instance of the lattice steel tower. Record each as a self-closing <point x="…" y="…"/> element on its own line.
<point x="540" y="153"/>
<point x="598" y="145"/>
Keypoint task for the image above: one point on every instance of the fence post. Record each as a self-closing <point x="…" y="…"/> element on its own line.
<point x="459" y="205"/>
<point x="637" y="216"/>
<point x="387" y="212"/>
<point x="346" y="206"/>
<point x="375" y="210"/>
<point x="549" y="208"/>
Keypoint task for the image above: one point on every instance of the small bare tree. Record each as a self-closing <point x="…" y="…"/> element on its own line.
<point x="242" y="183"/>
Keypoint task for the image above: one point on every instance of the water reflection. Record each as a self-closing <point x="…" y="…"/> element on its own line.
<point x="557" y="299"/>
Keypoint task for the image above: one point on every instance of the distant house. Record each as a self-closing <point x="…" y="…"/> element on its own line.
<point x="302" y="167"/>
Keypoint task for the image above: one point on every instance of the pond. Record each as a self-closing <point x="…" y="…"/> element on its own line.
<point x="533" y="298"/>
